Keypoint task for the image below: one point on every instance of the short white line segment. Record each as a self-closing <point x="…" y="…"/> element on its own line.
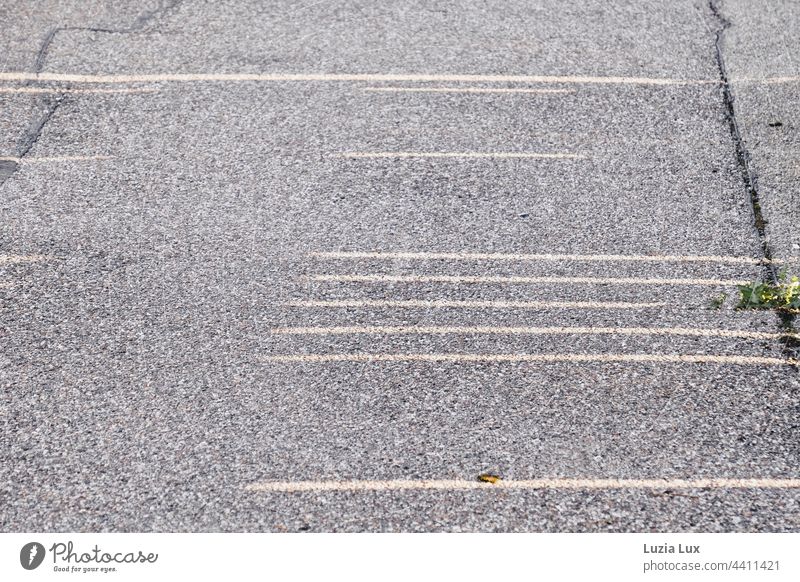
<point x="464" y="90"/>
<point x="765" y="80"/>
<point x="49" y="159"/>
<point x="422" y="304"/>
<point x="6" y="259"/>
<point x="50" y="90"/>
<point x="480" y="155"/>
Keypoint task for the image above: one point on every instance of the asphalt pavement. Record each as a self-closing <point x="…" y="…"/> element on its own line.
<point x="319" y="266"/>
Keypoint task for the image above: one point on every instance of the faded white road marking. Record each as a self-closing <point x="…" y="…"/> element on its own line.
<point x="43" y="90"/>
<point x="4" y="285"/>
<point x="464" y="90"/>
<point x="403" y="330"/>
<point x="519" y="280"/>
<point x="765" y="80"/>
<point x="6" y="259"/>
<point x="367" y="77"/>
<point x="532" y="155"/>
<point x="539" y="257"/>
<point x="47" y="159"/>
<point x="546" y="358"/>
<point x="414" y="303"/>
<point x="560" y="483"/>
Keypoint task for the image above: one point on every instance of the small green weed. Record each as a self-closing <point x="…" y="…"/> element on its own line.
<point x="784" y="296"/>
<point x="718" y="302"/>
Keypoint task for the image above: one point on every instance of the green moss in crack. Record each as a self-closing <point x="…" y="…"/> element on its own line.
<point x="718" y="302"/>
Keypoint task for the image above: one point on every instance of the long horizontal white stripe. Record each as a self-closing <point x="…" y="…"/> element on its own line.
<point x="5" y="259"/>
<point x="43" y="90"/>
<point x="369" y="77"/>
<point x="415" y="303"/>
<point x="368" y="155"/>
<point x="537" y="257"/>
<point x="463" y="90"/>
<point x="46" y="159"/>
<point x="521" y="280"/>
<point x="648" y="331"/>
<point x="562" y="483"/>
<point x="646" y="358"/>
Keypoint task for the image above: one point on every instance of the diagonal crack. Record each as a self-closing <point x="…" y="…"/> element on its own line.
<point x="786" y="324"/>
<point x="31" y="136"/>
<point x="141" y="22"/>
<point x="28" y="139"/>
<point x="742" y="155"/>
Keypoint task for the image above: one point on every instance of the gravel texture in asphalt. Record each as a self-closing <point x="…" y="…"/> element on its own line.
<point x="163" y="239"/>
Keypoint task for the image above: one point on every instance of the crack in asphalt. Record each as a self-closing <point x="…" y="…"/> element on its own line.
<point x="791" y="347"/>
<point x="163" y="8"/>
<point x="742" y="155"/>
<point x="34" y="131"/>
<point x="29" y="138"/>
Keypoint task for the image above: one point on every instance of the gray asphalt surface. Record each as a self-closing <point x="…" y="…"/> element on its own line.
<point x="138" y="389"/>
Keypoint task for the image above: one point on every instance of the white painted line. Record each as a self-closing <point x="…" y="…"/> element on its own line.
<point x="366" y="77"/>
<point x="501" y="155"/>
<point x="539" y="257"/>
<point x="556" y="484"/>
<point x="4" y="285"/>
<point x="463" y="90"/>
<point x="545" y="358"/>
<point x="43" y="90"/>
<point x="435" y="330"/>
<point x="765" y="80"/>
<point x="519" y="280"/>
<point x="6" y="259"/>
<point x="52" y="159"/>
<point x="414" y="303"/>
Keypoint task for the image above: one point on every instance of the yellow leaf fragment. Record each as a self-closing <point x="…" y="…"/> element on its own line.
<point x="488" y="478"/>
